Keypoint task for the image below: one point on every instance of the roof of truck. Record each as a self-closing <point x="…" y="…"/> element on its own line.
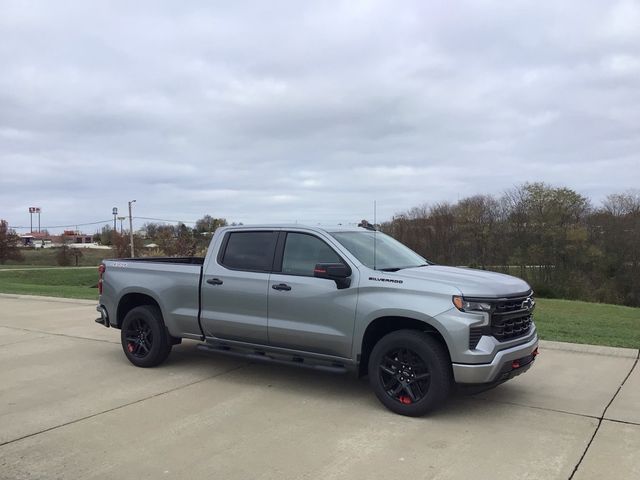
<point x="324" y="228"/>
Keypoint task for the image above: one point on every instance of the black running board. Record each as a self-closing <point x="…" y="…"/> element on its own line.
<point x="264" y="357"/>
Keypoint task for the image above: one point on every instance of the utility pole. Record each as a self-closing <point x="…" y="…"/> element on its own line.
<point x="114" y="212"/>
<point x="131" y="229"/>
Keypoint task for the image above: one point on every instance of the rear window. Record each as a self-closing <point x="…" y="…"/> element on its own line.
<point x="250" y="251"/>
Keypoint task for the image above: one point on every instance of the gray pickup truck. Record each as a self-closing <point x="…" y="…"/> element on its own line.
<point x="328" y="299"/>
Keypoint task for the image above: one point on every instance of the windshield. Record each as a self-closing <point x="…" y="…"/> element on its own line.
<point x="389" y="255"/>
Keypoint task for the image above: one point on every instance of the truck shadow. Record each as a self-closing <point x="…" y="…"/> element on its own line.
<point x="302" y="384"/>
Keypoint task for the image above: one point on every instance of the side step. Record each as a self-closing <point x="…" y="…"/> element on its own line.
<point x="264" y="357"/>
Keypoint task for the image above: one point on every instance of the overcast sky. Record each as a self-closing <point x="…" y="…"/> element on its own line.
<point x="309" y="111"/>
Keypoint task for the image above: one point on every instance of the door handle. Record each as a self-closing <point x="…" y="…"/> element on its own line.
<point x="214" y="281"/>
<point x="281" y="287"/>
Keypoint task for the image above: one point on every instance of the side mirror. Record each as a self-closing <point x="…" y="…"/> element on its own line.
<point x="338" y="272"/>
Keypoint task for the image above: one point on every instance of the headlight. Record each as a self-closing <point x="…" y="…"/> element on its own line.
<point x="467" y="306"/>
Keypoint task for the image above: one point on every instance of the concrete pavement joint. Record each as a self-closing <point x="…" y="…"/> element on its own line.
<point x="21" y="341"/>
<point x="59" y="334"/>
<point x="624" y="422"/>
<point x="515" y="404"/>
<point x="124" y="405"/>
<point x="43" y="298"/>
<point x="601" y="418"/>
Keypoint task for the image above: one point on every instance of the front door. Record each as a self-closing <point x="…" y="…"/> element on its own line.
<point x="308" y="313"/>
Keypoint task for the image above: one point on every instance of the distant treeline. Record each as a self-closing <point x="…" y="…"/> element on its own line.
<point x="552" y="237"/>
<point x="162" y="239"/>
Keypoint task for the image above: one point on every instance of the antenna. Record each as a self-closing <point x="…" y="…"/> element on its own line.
<point x="375" y="236"/>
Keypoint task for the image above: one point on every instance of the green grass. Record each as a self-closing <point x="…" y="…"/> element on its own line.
<point x="591" y="323"/>
<point x="21" y="267"/>
<point x="561" y="320"/>
<point x="46" y="257"/>
<point x="66" y="282"/>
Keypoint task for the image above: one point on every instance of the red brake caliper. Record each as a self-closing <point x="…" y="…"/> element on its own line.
<point x="405" y="399"/>
<point x="130" y="347"/>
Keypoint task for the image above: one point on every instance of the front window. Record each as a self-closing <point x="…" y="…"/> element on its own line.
<point x="379" y="251"/>
<point x="302" y="252"/>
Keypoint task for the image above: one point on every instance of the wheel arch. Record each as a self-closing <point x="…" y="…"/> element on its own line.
<point x="382" y="326"/>
<point x="131" y="300"/>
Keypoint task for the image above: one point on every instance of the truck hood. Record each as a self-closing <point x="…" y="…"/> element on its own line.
<point x="471" y="282"/>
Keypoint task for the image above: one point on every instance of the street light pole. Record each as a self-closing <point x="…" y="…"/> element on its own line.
<point x="131" y="229"/>
<point x="114" y="212"/>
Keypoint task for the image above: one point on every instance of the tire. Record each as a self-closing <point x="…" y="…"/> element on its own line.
<point x="144" y="337"/>
<point x="410" y="372"/>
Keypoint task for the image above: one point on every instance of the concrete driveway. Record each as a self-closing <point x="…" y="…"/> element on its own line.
<point x="71" y="406"/>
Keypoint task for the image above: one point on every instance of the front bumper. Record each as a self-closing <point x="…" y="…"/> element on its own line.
<point x="505" y="365"/>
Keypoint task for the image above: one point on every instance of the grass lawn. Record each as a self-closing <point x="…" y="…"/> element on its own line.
<point x="591" y="323"/>
<point x="562" y="320"/>
<point x="66" y="282"/>
<point x="46" y="257"/>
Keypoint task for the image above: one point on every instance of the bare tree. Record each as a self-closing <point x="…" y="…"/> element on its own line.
<point x="9" y="241"/>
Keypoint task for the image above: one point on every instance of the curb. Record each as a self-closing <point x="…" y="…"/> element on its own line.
<point x="76" y="301"/>
<point x="591" y="349"/>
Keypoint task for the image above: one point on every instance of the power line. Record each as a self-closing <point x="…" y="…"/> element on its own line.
<point x="163" y="220"/>
<point x="62" y="226"/>
<point x="45" y="227"/>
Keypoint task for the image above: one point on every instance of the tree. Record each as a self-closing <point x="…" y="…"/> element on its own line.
<point x="552" y="236"/>
<point x="9" y="241"/>
<point x="122" y="245"/>
<point x="68" y="255"/>
<point x="64" y="255"/>
<point x="209" y="224"/>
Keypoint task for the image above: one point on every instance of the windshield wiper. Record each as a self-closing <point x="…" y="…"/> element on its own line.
<point x="395" y="269"/>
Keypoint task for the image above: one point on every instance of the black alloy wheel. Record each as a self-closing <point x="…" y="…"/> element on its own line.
<point x="404" y="375"/>
<point x="144" y="337"/>
<point x="139" y="338"/>
<point x="410" y="372"/>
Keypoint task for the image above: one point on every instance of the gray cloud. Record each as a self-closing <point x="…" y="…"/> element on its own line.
<point x="292" y="111"/>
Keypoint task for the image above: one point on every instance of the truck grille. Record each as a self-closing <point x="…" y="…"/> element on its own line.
<point x="512" y="328"/>
<point x="510" y="318"/>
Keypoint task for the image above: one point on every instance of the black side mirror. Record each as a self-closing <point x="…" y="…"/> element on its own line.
<point x="338" y="272"/>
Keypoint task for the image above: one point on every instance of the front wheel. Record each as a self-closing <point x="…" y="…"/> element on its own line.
<point x="144" y="338"/>
<point x="410" y="372"/>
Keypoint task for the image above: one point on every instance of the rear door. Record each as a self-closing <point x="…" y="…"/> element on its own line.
<point x="307" y="313"/>
<point x="235" y="285"/>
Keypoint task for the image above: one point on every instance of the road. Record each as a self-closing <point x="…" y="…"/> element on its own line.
<point x="71" y="406"/>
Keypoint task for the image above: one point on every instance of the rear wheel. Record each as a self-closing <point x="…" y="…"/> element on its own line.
<point x="410" y="372"/>
<point x="144" y="338"/>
